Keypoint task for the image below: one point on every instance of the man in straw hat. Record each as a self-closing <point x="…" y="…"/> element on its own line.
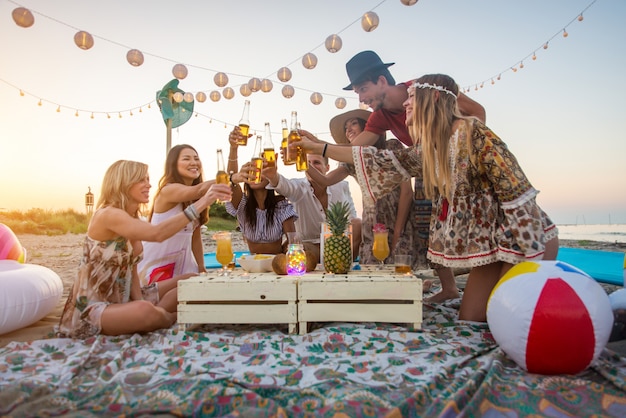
<point x="370" y="78"/>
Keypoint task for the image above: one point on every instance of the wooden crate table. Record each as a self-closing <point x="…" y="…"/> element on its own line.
<point x="368" y="295"/>
<point x="253" y="298"/>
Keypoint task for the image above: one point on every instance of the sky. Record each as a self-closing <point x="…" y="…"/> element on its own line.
<point x="560" y="114"/>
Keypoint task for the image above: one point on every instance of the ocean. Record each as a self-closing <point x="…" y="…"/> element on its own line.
<point x="615" y="233"/>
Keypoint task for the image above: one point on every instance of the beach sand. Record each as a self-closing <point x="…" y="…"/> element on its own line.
<point x="61" y="253"/>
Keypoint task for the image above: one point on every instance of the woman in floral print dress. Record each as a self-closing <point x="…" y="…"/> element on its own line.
<point x="106" y="297"/>
<point x="485" y="215"/>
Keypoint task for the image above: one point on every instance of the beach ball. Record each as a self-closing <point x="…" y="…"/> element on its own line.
<point x="550" y="317"/>
<point x="10" y="247"/>
<point x="618" y="299"/>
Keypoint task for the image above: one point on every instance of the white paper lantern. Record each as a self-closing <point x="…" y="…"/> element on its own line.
<point x="254" y="84"/>
<point x="220" y="79"/>
<point x="284" y="74"/>
<point x="340" y="103"/>
<point x="288" y="91"/>
<point x="215" y="95"/>
<point x="245" y="90"/>
<point x="408" y="2"/>
<point x="333" y="43"/>
<point x="316" y="98"/>
<point x="201" y="96"/>
<point x="179" y="71"/>
<point x="309" y="60"/>
<point x="188" y="97"/>
<point x="83" y="40"/>
<point x="134" y="57"/>
<point x="178" y="97"/>
<point x="23" y="17"/>
<point x="228" y="93"/>
<point x="369" y="21"/>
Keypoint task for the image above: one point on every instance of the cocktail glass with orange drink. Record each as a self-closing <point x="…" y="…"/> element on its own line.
<point x="380" y="248"/>
<point x="224" y="252"/>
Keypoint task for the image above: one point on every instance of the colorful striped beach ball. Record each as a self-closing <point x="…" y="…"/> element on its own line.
<point x="550" y="317"/>
<point x="10" y="247"/>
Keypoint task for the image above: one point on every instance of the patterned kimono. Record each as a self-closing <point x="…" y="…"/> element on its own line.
<point x="104" y="277"/>
<point x="493" y="215"/>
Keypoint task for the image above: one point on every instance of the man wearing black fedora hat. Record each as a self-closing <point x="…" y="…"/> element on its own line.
<point x="370" y="78"/>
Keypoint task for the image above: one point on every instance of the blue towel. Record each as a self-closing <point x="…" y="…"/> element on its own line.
<point x="604" y="266"/>
<point x="210" y="261"/>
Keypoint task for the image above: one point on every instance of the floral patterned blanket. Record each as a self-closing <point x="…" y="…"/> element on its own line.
<point x="449" y="368"/>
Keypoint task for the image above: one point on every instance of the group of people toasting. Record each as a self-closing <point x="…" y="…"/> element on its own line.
<point x="470" y="204"/>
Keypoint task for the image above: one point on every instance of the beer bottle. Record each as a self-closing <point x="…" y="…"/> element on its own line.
<point x="244" y="123"/>
<point x="268" y="147"/>
<point x="222" y="176"/>
<point x="293" y="137"/>
<point x="283" y="144"/>
<point x="254" y="174"/>
<point x="301" y="161"/>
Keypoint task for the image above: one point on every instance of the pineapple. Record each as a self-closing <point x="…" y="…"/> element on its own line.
<point x="337" y="247"/>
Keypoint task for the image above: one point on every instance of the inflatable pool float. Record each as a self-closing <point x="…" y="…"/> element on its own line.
<point x="28" y="292"/>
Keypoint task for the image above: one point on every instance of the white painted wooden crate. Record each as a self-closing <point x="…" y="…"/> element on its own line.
<point x="359" y="296"/>
<point x="254" y="298"/>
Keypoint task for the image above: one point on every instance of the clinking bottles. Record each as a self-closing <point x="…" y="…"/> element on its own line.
<point x="283" y="144"/>
<point x="254" y="174"/>
<point x="268" y="147"/>
<point x="298" y="155"/>
<point x="244" y="123"/>
<point x="222" y="176"/>
<point x="301" y="160"/>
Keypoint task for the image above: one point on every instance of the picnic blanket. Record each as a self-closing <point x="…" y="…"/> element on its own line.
<point x="449" y="368"/>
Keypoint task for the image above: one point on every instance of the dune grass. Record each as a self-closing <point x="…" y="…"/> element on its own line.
<point x="59" y="222"/>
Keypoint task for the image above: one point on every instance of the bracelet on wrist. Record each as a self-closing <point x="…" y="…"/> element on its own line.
<point x="324" y="150"/>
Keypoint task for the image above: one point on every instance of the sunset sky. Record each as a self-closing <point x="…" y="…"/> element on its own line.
<point x="560" y="114"/>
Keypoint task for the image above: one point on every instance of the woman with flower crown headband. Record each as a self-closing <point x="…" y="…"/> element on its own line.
<point x="485" y="215"/>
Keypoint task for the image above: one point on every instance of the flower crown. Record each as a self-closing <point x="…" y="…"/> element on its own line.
<point x="433" y="86"/>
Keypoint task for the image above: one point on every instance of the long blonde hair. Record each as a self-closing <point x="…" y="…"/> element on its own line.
<point x="434" y="112"/>
<point x="118" y="180"/>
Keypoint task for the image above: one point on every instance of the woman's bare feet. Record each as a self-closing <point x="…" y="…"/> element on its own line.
<point x="443" y="295"/>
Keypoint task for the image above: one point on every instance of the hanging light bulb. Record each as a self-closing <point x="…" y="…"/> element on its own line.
<point x="482" y="84"/>
<point x="514" y="69"/>
<point x="580" y="18"/>
<point x="130" y="113"/>
<point x="83" y="40"/>
<point x="21" y="92"/>
<point x="309" y="61"/>
<point x="39" y="104"/>
<point x="220" y="79"/>
<point x="59" y="109"/>
<point x="565" y="34"/>
<point x="316" y="98"/>
<point x="288" y="91"/>
<point x="333" y="43"/>
<point x="108" y="116"/>
<point x="266" y="85"/>
<point x="499" y="75"/>
<point x="200" y="97"/>
<point x="119" y="115"/>
<point x="140" y="110"/>
<point x="178" y="97"/>
<point x="134" y="57"/>
<point x="254" y="84"/>
<point x="188" y="97"/>
<point x="369" y="21"/>
<point x="23" y="17"/>
<point x="92" y="115"/>
<point x="534" y="57"/>
<point x="215" y="96"/>
<point x="521" y="65"/>
<point x="245" y="90"/>
<point x="76" y="114"/>
<point x="340" y="103"/>
<point x="228" y="93"/>
<point x="284" y="74"/>
<point x="545" y="46"/>
<point x="492" y="82"/>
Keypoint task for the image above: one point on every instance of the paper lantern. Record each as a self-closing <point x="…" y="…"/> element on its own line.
<point x="288" y="91"/>
<point x="284" y="74"/>
<point x="333" y="43"/>
<point x="408" y="2"/>
<point x="266" y="85"/>
<point x="245" y="90"/>
<point x="316" y="98"/>
<point x="220" y="79"/>
<point x="23" y="17"/>
<point x="178" y="97"/>
<point x="550" y="317"/>
<point x="228" y="93"/>
<point x="369" y="21"/>
<point x="201" y="97"/>
<point x="10" y="247"/>
<point x="309" y="61"/>
<point x="254" y="84"/>
<point x="340" y="103"/>
<point x="134" y="57"/>
<point x="179" y="71"/>
<point x="83" y="40"/>
<point x="215" y="96"/>
<point x="188" y="97"/>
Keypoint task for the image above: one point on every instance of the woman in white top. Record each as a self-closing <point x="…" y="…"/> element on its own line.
<point x="180" y="186"/>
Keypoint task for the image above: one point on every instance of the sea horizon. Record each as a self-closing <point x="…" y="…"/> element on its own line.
<point x="613" y="233"/>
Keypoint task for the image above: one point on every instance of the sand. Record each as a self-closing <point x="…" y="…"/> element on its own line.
<point x="62" y="253"/>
